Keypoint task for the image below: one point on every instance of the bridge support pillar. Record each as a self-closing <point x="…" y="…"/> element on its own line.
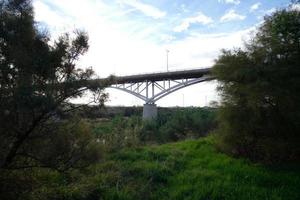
<point x="149" y="111"/>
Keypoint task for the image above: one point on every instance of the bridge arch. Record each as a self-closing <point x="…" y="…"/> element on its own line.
<point x="141" y="90"/>
<point x="129" y="91"/>
<point x="154" y="86"/>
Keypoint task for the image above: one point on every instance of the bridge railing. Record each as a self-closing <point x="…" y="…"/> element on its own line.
<point x="170" y="75"/>
<point x="158" y="72"/>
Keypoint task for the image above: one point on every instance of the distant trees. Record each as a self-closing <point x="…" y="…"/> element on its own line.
<point x="260" y="88"/>
<point x="37" y="76"/>
<point x="178" y="124"/>
<point x="172" y="124"/>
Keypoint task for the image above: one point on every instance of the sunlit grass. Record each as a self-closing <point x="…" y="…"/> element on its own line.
<point x="190" y="170"/>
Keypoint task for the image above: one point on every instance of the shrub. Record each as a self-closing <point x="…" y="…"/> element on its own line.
<point x="260" y="112"/>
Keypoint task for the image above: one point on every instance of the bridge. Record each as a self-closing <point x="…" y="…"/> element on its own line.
<point x="153" y="86"/>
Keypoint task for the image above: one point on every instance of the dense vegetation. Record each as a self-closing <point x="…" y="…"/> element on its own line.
<point x="260" y="87"/>
<point x="185" y="170"/>
<point x="170" y="125"/>
<point x="36" y="78"/>
<point x="78" y="143"/>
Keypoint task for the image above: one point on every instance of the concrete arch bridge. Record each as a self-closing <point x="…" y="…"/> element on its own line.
<point x="152" y="87"/>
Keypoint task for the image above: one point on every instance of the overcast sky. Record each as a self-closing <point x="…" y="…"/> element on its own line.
<point x="131" y="36"/>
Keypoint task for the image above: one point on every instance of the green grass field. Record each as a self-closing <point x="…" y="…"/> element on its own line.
<point x="185" y="170"/>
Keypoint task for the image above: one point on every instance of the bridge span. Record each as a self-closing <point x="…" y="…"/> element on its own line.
<point x="161" y="76"/>
<point x="153" y="86"/>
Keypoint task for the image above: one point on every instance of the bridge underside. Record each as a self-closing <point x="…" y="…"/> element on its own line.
<point x="151" y="88"/>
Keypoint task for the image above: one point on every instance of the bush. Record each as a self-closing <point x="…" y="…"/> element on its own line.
<point x="260" y="112"/>
<point x="70" y="147"/>
<point x="169" y="126"/>
<point x="187" y="123"/>
<point x="120" y="132"/>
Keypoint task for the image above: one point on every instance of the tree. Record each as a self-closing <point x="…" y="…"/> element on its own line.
<point x="260" y="89"/>
<point x="38" y="77"/>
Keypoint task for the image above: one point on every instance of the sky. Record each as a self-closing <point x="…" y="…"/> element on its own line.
<point x="132" y="37"/>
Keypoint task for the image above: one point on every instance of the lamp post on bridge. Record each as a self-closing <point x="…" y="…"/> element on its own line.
<point x="167" y="59"/>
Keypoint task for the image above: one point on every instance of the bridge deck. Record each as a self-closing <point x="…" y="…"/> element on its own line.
<point x="185" y="74"/>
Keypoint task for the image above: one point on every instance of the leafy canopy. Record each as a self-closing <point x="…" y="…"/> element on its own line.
<point x="260" y="89"/>
<point x="37" y="77"/>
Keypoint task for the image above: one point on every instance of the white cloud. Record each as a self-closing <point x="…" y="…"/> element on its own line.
<point x="231" y="15"/>
<point x="119" y="46"/>
<point x="167" y="38"/>
<point x="196" y="51"/>
<point x="295" y="7"/>
<point x="236" y="2"/>
<point x="270" y="11"/>
<point x="200" y="50"/>
<point x="58" y="23"/>
<point x="147" y="9"/>
<point x="200" y="18"/>
<point x="255" y="6"/>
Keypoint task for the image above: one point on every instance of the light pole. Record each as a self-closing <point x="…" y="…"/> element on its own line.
<point x="167" y="59"/>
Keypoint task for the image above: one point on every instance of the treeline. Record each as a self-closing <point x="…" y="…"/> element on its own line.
<point x="95" y="111"/>
<point x="170" y="125"/>
<point x="109" y="112"/>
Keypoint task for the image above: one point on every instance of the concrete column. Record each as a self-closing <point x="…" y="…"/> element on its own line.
<point x="149" y="111"/>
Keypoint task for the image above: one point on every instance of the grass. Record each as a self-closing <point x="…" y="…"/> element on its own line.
<point x="185" y="170"/>
<point x="193" y="170"/>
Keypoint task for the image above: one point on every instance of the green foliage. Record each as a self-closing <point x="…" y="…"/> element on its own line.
<point x="36" y="78"/>
<point x="118" y="133"/>
<point x="260" y="85"/>
<point x="68" y="149"/>
<point x="181" y="124"/>
<point x="185" y="170"/>
<point x="187" y="123"/>
<point x="73" y="143"/>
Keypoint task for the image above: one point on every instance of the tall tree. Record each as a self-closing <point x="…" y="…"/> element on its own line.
<point x="260" y="89"/>
<point x="36" y="78"/>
